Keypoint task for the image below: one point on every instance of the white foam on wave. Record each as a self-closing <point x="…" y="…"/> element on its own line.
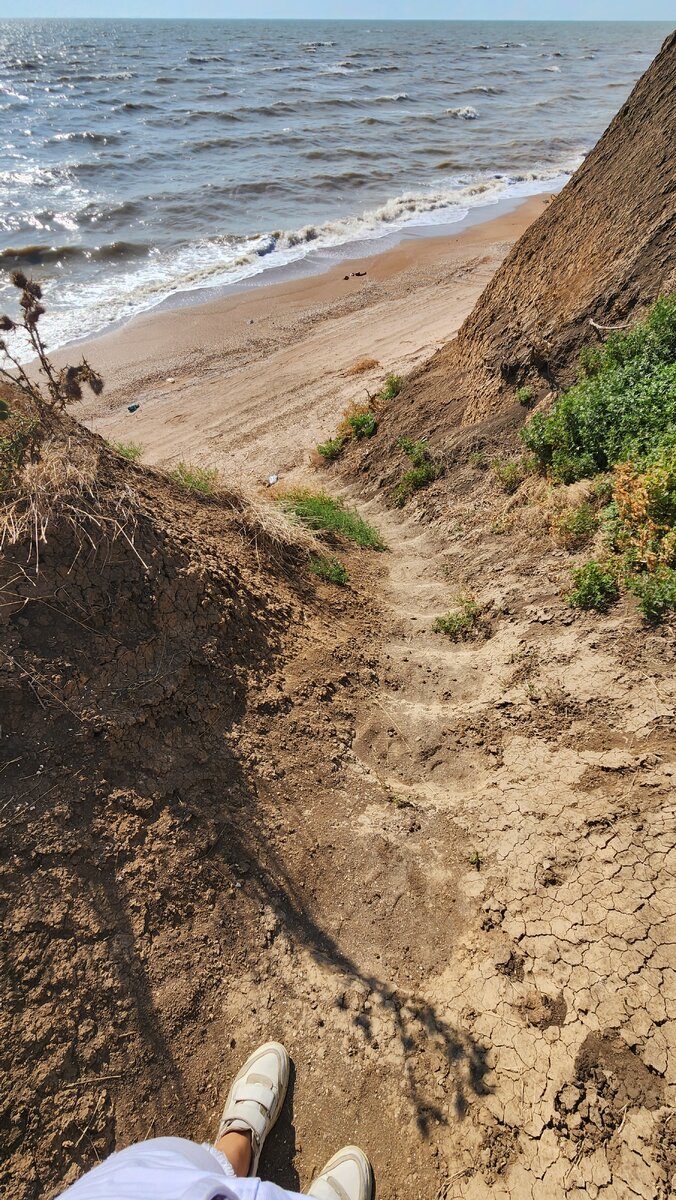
<point x="465" y="113"/>
<point x="81" y="310"/>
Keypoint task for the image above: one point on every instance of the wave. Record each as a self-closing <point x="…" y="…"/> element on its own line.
<point x="201" y="59"/>
<point x="389" y="99"/>
<point x="83" y="135"/>
<point x="483" y="89"/>
<point x="41" y="255"/>
<point x="463" y="114"/>
<point x="151" y="278"/>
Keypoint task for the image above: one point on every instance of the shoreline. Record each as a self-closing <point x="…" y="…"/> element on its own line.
<point x="251" y="380"/>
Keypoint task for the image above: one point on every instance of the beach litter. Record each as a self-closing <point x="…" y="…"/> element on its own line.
<point x="132" y="407"/>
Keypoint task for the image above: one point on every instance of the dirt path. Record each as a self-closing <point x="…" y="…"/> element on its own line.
<point x="540" y="800"/>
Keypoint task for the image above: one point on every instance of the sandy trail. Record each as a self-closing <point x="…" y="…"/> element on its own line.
<point x="545" y="787"/>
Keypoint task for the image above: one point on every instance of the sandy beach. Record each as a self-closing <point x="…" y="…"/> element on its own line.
<point x="250" y="382"/>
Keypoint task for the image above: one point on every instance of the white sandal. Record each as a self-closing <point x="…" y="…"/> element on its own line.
<point x="256" y="1097"/>
<point x="346" y="1176"/>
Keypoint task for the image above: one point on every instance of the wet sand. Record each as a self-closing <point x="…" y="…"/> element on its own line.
<point x="250" y="381"/>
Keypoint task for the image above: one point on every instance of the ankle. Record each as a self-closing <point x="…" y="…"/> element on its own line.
<point x="236" y="1146"/>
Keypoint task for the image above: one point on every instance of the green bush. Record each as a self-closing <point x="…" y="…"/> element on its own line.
<point x="460" y="624"/>
<point x="425" y="470"/>
<point x="363" y="424"/>
<point x="623" y="406"/>
<point x="391" y="388"/>
<point x="413" y="480"/>
<point x="525" y="396"/>
<point x="595" y="587"/>
<point x="331" y="448"/>
<point x="576" y="527"/>
<point x="132" y="451"/>
<point x="656" y="593"/>
<point x="328" y="568"/>
<point x="320" y="511"/>
<point x="196" y="479"/>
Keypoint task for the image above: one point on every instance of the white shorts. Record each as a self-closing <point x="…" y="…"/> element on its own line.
<point x="171" y="1168"/>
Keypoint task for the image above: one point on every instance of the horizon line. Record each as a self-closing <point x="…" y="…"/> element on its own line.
<point x="379" y="20"/>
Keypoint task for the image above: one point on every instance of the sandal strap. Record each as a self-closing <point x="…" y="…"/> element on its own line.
<point x="252" y="1101"/>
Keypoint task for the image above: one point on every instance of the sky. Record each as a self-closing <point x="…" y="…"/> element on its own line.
<point x="524" y="10"/>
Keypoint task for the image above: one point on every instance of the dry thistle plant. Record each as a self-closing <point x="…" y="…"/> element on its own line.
<point x="60" y="385"/>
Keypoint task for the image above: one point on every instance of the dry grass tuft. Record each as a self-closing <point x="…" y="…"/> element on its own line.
<point x="62" y="483"/>
<point x="270" y="529"/>
<point x="362" y="365"/>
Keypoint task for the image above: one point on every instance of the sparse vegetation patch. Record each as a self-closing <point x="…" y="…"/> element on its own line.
<point x="425" y="470"/>
<point x="525" y="396"/>
<point x="328" y="568"/>
<point x="360" y="420"/>
<point x="331" y="449"/>
<point x="196" y="479"/>
<point x="132" y="451"/>
<point x="462" y="623"/>
<point x="510" y="473"/>
<point x="319" y="511"/>
<point x="576" y="527"/>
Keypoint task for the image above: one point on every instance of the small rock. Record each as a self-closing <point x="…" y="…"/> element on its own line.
<point x="569" y="1097"/>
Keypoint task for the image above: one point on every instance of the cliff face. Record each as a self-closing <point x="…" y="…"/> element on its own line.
<point x="603" y="249"/>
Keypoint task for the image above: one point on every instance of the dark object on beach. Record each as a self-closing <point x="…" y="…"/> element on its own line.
<point x="346" y="276"/>
<point x="358" y="274"/>
<point x="132" y="407"/>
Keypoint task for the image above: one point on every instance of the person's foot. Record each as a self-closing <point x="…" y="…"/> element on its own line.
<point x="346" y="1176"/>
<point x="256" y="1097"/>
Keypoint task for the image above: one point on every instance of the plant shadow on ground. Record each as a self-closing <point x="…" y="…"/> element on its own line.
<point x="132" y="826"/>
<point x="466" y="1058"/>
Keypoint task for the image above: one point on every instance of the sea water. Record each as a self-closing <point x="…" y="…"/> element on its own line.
<point x="141" y="159"/>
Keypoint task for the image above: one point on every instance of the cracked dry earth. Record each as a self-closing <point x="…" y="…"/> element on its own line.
<point x="539" y="762"/>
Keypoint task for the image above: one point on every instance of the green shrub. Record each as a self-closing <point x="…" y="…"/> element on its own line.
<point x="196" y="479"/>
<point x="595" y="587"/>
<point x="461" y="623"/>
<point x="591" y="360"/>
<point x="320" y="511"/>
<point x="425" y="470"/>
<point x="391" y="388"/>
<point x="525" y="396"/>
<point x="132" y="451"/>
<point x="5" y="410"/>
<point x="478" y="459"/>
<point x="602" y="489"/>
<point x="509" y="474"/>
<point x="623" y="407"/>
<point x="576" y="527"/>
<point x="328" y="568"/>
<point x="413" y="480"/>
<point x="331" y="448"/>
<point x="656" y="593"/>
<point x="363" y="424"/>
